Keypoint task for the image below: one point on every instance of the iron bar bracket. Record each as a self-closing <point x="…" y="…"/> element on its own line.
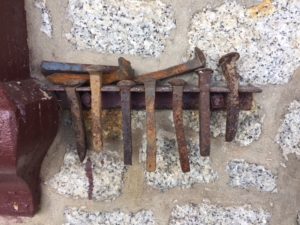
<point x="111" y="98"/>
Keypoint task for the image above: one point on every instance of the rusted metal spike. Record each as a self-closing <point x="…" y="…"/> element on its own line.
<point x="124" y="72"/>
<point x="228" y="65"/>
<point x="125" y="86"/>
<point x="198" y="62"/>
<point x="77" y="121"/>
<point x="96" y="84"/>
<point x="49" y="67"/>
<point x="151" y="124"/>
<point x="205" y="76"/>
<point x="178" y="85"/>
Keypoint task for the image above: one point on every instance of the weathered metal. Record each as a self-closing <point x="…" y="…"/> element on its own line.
<point x="50" y="67"/>
<point x="228" y="65"/>
<point x="198" y="62"/>
<point x="96" y="110"/>
<point x="111" y="97"/>
<point x="215" y="88"/>
<point x="125" y="93"/>
<point x="124" y="72"/>
<point x="96" y="79"/>
<point x="77" y="121"/>
<point x="178" y="85"/>
<point x="150" y="124"/>
<point x="205" y="76"/>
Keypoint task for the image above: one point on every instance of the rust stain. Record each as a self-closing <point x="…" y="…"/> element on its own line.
<point x="89" y="175"/>
<point x="111" y="122"/>
<point x="263" y="9"/>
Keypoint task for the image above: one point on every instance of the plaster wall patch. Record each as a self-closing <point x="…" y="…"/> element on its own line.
<point x="207" y="214"/>
<point x="138" y="119"/>
<point x="47" y="26"/>
<point x="247" y="175"/>
<point x="72" y="180"/>
<point x="268" y="44"/>
<point x="134" y="27"/>
<point x="288" y="136"/>
<point x="168" y="173"/>
<point x="78" y="216"/>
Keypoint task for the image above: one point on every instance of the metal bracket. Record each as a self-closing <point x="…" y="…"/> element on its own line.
<point x="111" y="97"/>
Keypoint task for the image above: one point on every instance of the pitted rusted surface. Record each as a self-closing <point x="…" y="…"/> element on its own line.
<point x="178" y="85"/>
<point x="72" y="74"/>
<point x="111" y="97"/>
<point x="205" y="76"/>
<point x="96" y="103"/>
<point x="198" y="62"/>
<point x="77" y="121"/>
<point x="125" y="93"/>
<point x="228" y="65"/>
<point x="49" y="67"/>
<point x="151" y="124"/>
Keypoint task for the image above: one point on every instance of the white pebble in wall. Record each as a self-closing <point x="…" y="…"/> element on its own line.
<point x="289" y="132"/>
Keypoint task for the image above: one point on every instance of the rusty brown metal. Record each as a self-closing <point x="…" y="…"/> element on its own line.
<point x="50" y="67"/>
<point x="125" y="93"/>
<point x="215" y="88"/>
<point x="151" y="124"/>
<point x="96" y="110"/>
<point x="68" y="79"/>
<point x="111" y="97"/>
<point x="77" y="121"/>
<point x="178" y="85"/>
<point x="205" y="76"/>
<point x="228" y="65"/>
<point x="198" y="62"/>
<point x="124" y="72"/>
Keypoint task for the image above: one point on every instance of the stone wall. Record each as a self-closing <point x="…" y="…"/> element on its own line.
<point x="254" y="180"/>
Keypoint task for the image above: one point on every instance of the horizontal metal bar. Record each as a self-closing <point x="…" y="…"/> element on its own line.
<point x="163" y="88"/>
<point x="112" y="100"/>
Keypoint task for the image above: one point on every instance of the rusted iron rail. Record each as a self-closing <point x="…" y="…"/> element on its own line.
<point x="111" y="97"/>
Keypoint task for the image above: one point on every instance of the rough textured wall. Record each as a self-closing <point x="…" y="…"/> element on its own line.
<point x="249" y="181"/>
